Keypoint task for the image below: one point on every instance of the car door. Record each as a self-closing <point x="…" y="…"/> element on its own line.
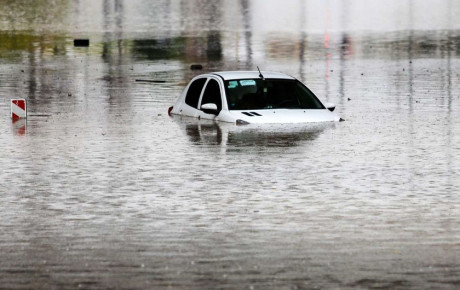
<point x="212" y="94"/>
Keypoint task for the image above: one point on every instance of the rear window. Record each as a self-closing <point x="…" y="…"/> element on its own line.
<point x="194" y="92"/>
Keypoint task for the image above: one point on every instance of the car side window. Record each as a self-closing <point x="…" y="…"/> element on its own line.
<point x="194" y="91"/>
<point x="212" y="94"/>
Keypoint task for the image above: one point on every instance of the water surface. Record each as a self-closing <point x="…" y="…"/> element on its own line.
<point x="100" y="188"/>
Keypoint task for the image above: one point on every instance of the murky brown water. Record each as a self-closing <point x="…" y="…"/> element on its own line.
<point x="101" y="189"/>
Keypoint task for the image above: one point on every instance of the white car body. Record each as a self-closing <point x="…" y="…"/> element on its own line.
<point x="206" y="97"/>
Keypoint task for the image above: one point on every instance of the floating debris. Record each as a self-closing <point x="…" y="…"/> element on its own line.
<point x="151" y="81"/>
<point x="196" y="67"/>
<point x="81" y="42"/>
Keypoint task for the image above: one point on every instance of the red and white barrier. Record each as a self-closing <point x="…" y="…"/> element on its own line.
<point x="18" y="109"/>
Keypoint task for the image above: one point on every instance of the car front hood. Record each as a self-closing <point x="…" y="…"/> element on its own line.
<point x="279" y="116"/>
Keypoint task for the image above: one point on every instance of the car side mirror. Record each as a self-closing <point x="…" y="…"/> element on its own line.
<point x="210" y="108"/>
<point x="330" y="106"/>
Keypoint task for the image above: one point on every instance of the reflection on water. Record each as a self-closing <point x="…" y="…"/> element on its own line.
<point x="204" y="132"/>
<point x="31" y="15"/>
<point x="20" y="127"/>
<point x="100" y="188"/>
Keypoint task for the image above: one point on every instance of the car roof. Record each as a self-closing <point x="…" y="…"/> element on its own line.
<point x="235" y="75"/>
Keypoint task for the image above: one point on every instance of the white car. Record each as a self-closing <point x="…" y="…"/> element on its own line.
<point x="247" y="97"/>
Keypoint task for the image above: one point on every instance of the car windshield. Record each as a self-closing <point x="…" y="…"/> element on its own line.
<point x="256" y="94"/>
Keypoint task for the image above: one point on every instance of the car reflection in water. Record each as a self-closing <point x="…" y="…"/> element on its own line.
<point x="208" y="132"/>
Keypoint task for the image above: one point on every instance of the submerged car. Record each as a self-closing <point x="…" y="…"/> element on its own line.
<point x="246" y="97"/>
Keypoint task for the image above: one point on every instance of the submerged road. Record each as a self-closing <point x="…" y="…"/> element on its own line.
<point x="101" y="189"/>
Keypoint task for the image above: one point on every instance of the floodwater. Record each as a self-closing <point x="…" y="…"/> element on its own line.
<point x="101" y="189"/>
